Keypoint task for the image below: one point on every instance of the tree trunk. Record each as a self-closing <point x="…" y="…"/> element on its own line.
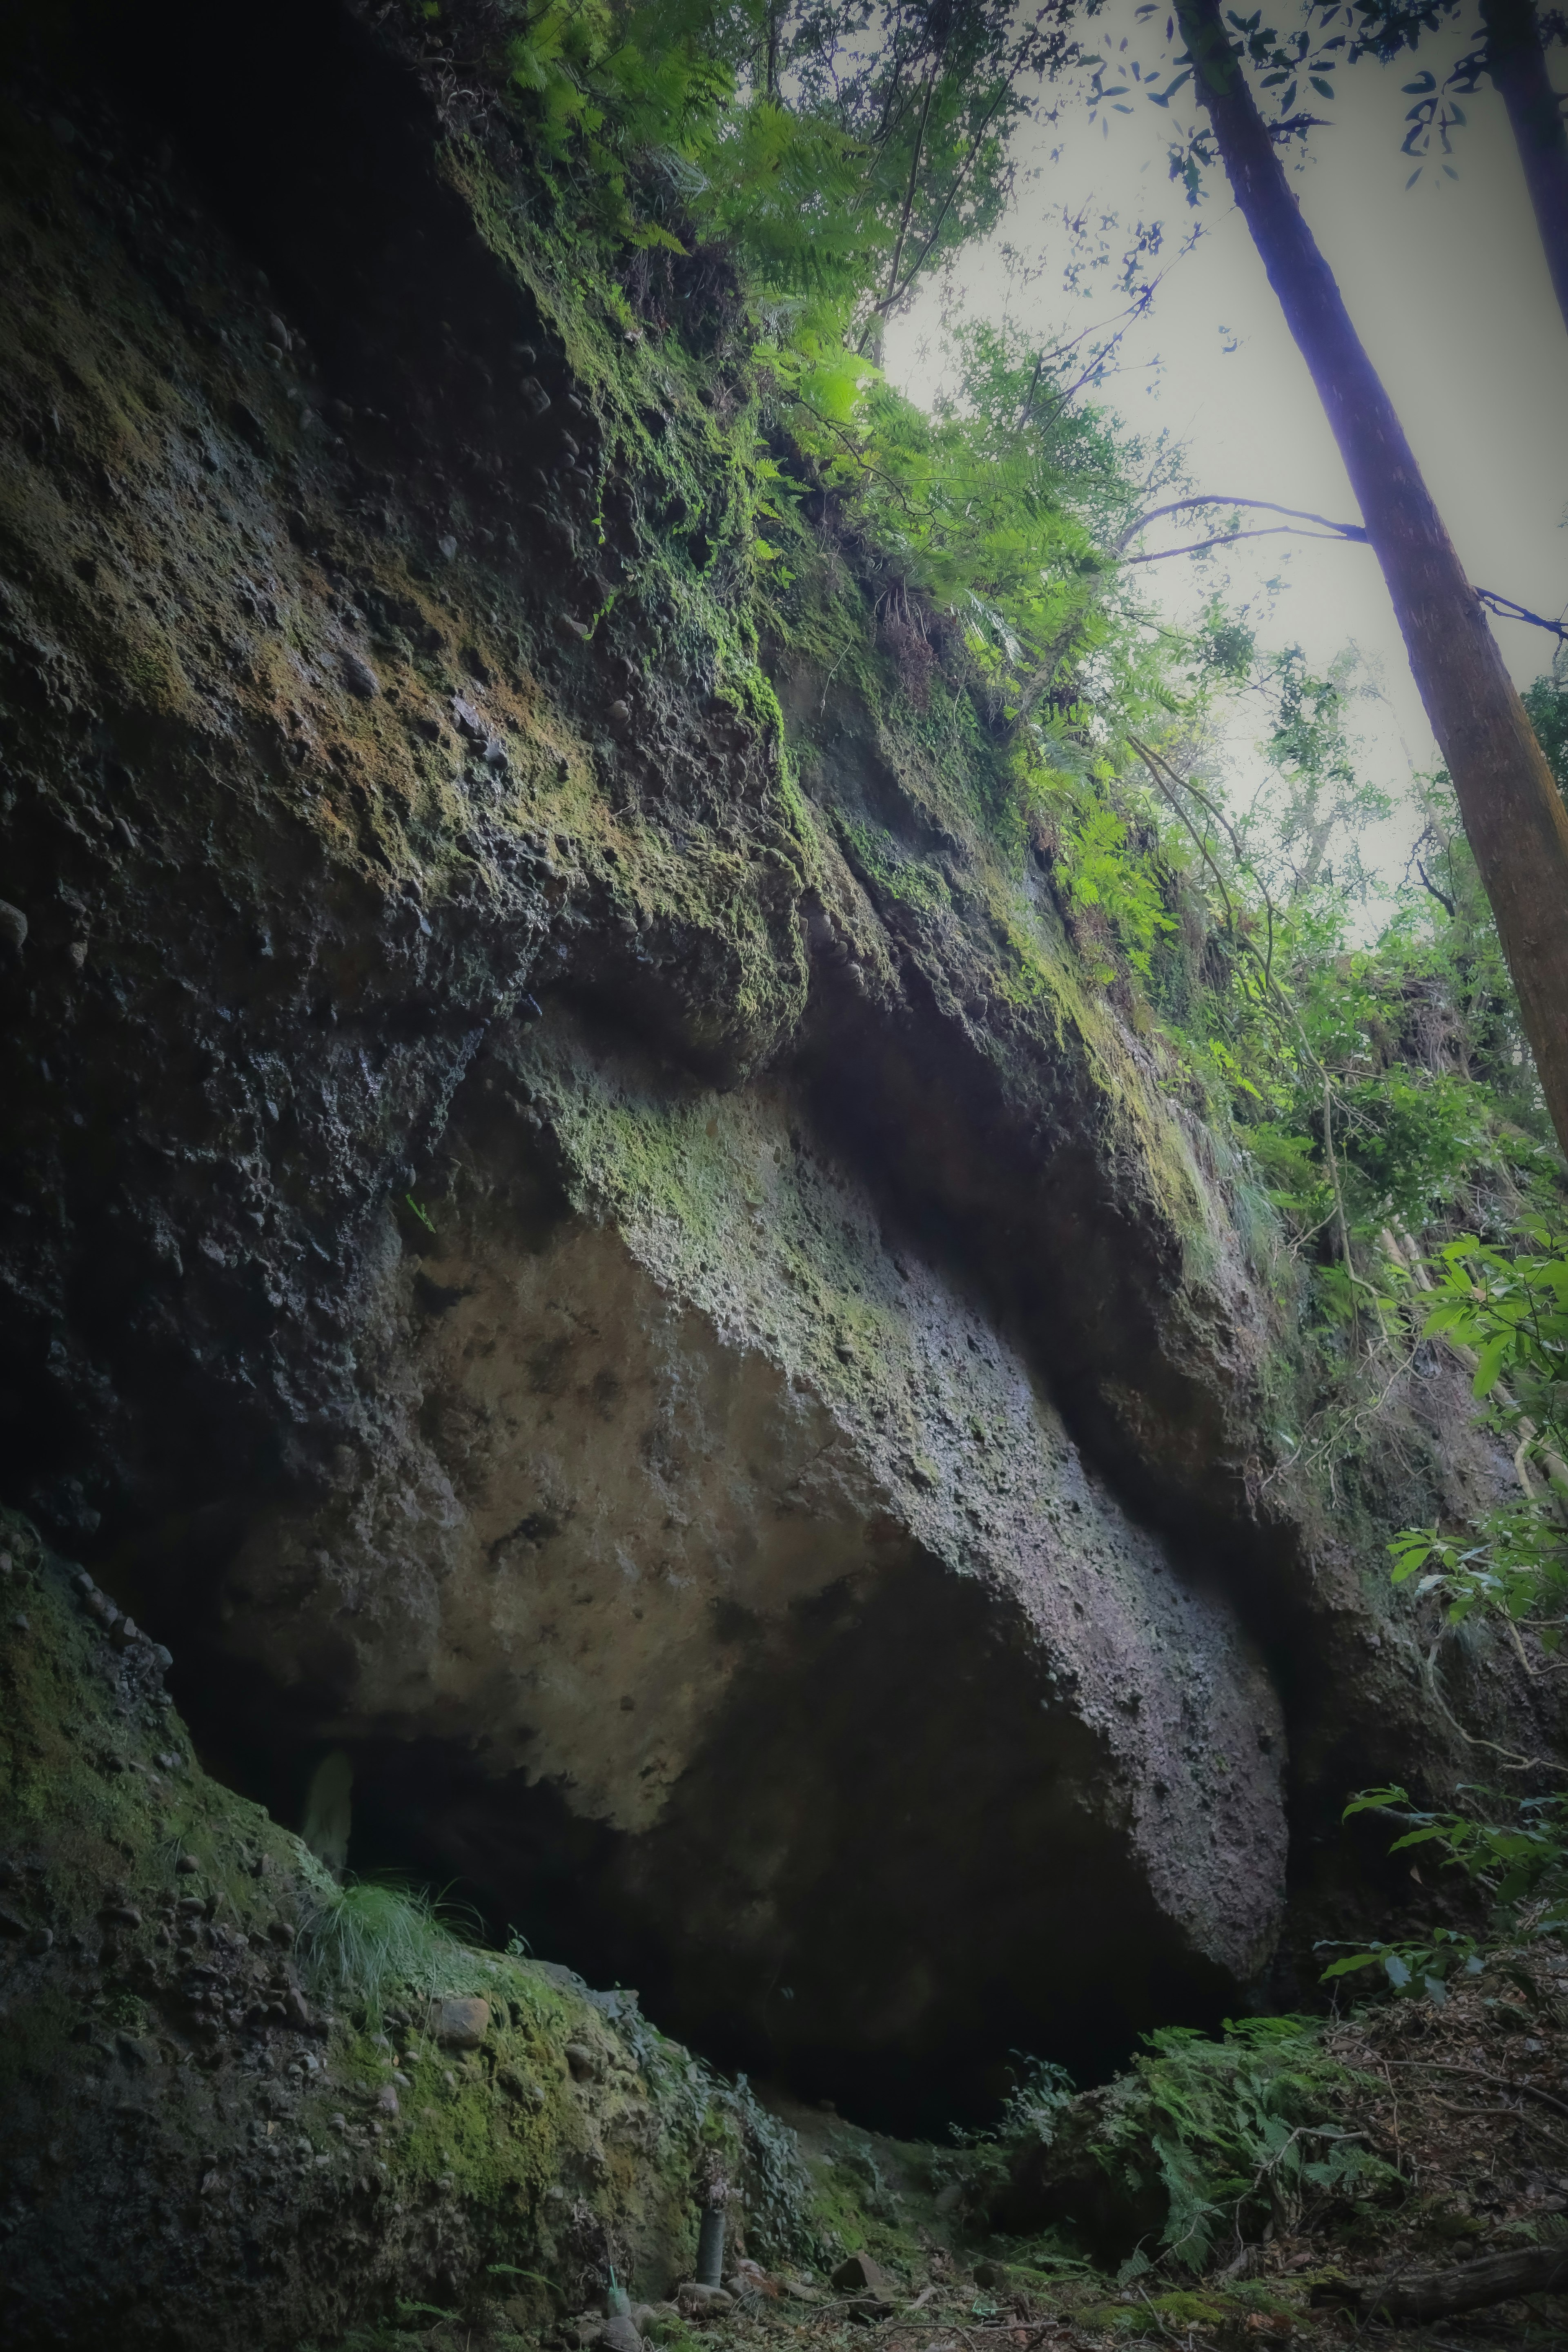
<point x="1517" y="64"/>
<point x="1513" y="813"/>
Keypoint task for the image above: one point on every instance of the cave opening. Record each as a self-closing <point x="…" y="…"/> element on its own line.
<point x="884" y="1880"/>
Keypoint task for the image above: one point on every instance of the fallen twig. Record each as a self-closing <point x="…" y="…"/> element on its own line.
<point x="1497" y="2081"/>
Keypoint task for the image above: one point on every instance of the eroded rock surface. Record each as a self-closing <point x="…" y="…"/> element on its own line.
<point x="479" y="1167"/>
<point x="208" y="2137"/>
<point x="733" y="1521"/>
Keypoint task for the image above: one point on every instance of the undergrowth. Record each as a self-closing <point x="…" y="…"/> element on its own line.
<point x="1239" y="2133"/>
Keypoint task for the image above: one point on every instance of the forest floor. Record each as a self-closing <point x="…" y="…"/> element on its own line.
<point x="1471" y="2116"/>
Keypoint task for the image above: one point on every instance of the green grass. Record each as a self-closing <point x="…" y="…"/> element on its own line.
<point x="374" y="1940"/>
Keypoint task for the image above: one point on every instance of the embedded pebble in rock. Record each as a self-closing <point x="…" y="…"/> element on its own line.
<point x="12" y="927"/>
<point x="458" y="2023"/>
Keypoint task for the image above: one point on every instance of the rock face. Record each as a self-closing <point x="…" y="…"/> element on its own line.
<point x="571" y="1225"/>
<point x="732" y="1522"/>
<point x="210" y="2131"/>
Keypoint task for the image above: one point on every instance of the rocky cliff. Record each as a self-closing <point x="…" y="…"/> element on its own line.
<point x="572" y="1225"/>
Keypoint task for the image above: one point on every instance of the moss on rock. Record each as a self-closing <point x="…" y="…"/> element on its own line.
<point x="195" y="2145"/>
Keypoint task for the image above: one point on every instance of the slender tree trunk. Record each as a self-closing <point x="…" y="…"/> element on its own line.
<point x="1513" y="813"/>
<point x="1517" y="64"/>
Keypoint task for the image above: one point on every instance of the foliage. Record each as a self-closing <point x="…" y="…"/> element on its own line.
<point x="841" y="150"/>
<point x="1509" y="1309"/>
<point x="1383" y="29"/>
<point x="1519" y="1863"/>
<point x="1547" y="703"/>
<point x="1237" y="2132"/>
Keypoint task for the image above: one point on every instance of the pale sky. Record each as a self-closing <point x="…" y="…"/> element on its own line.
<point x="1448" y="288"/>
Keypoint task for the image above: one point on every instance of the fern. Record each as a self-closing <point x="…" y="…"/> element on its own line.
<point x="1237" y="2132"/>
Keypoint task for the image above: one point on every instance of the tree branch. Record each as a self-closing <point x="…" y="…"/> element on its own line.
<point x="1490" y="599"/>
<point x="1268" y="506"/>
<point x="1225" y="538"/>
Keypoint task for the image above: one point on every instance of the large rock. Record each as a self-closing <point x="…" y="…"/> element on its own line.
<point x="616" y="1269"/>
<point x="719" y="1517"/>
<point x="193" y="2153"/>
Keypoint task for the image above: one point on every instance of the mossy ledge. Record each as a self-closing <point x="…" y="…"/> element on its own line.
<point x="204" y="2140"/>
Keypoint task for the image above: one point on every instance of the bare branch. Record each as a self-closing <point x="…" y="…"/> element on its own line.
<point x="1268" y="506"/>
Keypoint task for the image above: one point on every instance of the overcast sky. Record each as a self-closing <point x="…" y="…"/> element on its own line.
<point x="1449" y="290"/>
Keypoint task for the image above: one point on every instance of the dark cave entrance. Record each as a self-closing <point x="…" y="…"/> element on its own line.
<point x="893" y="1923"/>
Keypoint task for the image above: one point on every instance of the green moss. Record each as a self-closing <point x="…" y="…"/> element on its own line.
<point x="495" y="2132"/>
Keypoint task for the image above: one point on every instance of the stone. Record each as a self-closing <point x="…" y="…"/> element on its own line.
<point x="386" y="2101"/>
<point x="584" y="2062"/>
<point x="458" y="2022"/>
<point x="692" y="2299"/>
<point x="121" y="1914"/>
<point x="621" y="2334"/>
<point x="187" y="1866"/>
<point x="861" y="2273"/>
<point x="360" y="678"/>
<point x="467" y="721"/>
<point x="448" y="546"/>
<point x="41" y="1940"/>
<point x="534" y="397"/>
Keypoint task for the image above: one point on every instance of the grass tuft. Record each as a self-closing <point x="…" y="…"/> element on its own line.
<point x="374" y="1940"/>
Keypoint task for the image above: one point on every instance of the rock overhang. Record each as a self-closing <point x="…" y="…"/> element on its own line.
<point x="711" y="1513"/>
